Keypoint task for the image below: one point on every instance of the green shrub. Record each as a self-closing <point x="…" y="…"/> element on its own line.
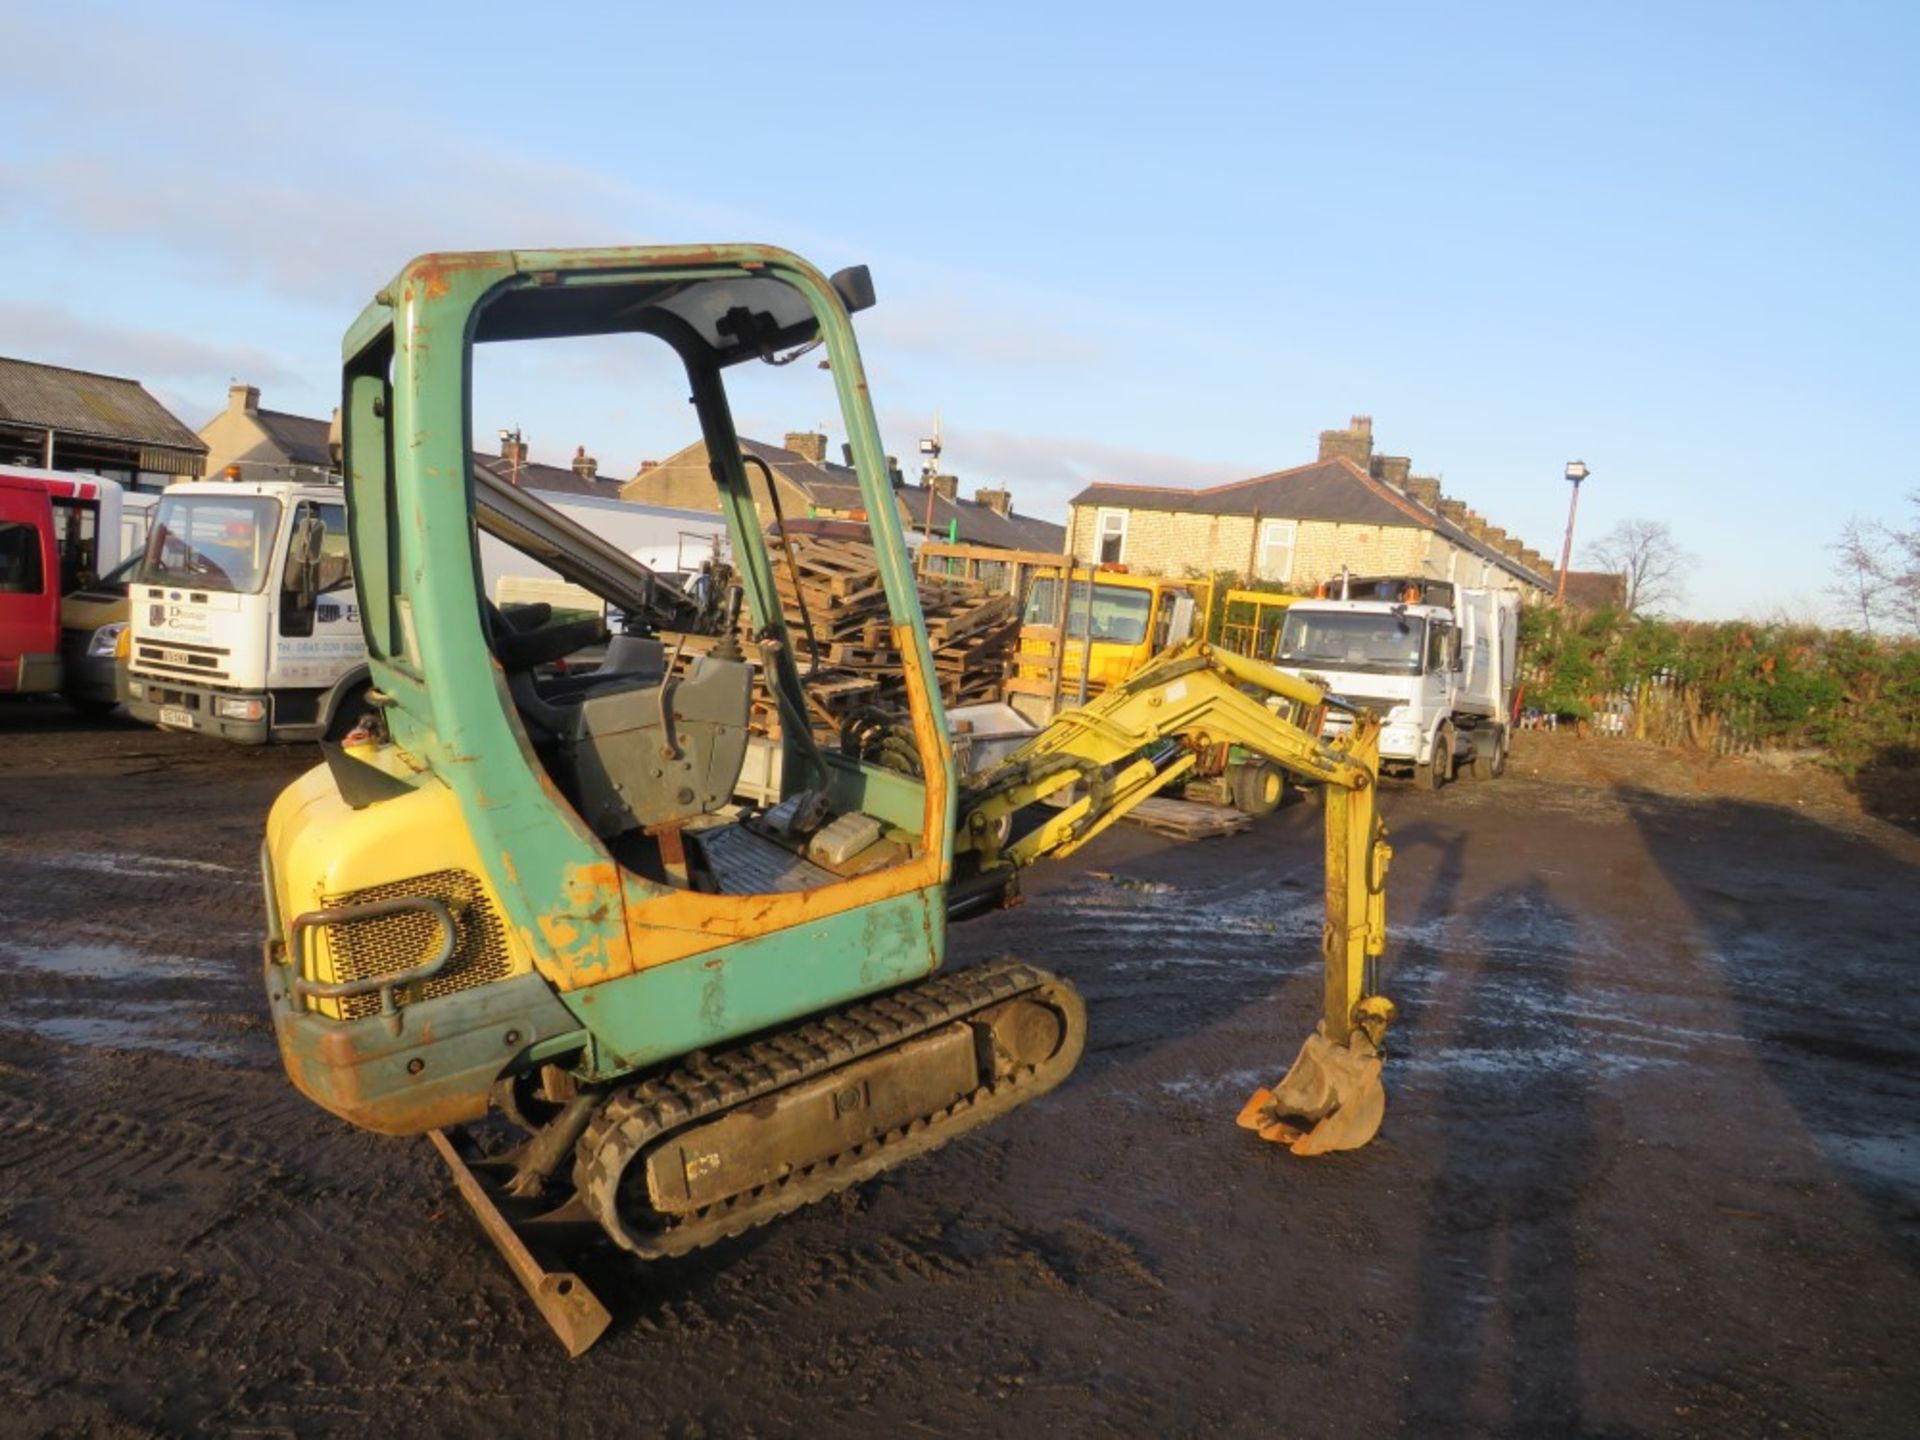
<point x="1853" y="695"/>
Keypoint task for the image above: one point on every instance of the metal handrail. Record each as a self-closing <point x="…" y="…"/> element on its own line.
<point x="386" y="984"/>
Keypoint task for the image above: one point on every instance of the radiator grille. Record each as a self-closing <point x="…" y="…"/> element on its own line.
<point x="398" y="942"/>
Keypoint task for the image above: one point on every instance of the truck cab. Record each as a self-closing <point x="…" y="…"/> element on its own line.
<point x="86" y="519"/>
<point x="29" y="590"/>
<point x="1434" y="661"/>
<point x="244" y="619"/>
<point x="1102" y="624"/>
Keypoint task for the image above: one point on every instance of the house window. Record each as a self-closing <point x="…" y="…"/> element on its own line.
<point x="1275" y="560"/>
<point x="1110" y="540"/>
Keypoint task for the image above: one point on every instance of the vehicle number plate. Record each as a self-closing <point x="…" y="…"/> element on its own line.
<point x="180" y="719"/>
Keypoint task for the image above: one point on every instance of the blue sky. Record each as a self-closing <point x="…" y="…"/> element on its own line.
<point x="1111" y="243"/>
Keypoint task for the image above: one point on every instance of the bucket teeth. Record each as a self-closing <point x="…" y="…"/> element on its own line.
<point x="1331" y="1099"/>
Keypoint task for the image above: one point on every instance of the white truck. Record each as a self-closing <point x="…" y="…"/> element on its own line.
<point x="244" y="620"/>
<point x="1435" y="661"/>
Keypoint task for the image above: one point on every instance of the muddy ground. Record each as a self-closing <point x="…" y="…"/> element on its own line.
<point x="1649" y="1168"/>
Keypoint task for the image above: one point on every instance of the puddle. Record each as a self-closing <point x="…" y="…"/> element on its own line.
<point x="129" y="1025"/>
<point x="1894" y="1159"/>
<point x="101" y="960"/>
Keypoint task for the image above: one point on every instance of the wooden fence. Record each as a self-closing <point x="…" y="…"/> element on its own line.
<point x="1663" y="708"/>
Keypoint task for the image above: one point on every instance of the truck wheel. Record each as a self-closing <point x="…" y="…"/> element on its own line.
<point x="1258" y="788"/>
<point x="1439" y="770"/>
<point x="1489" y="753"/>
<point x="348" y="714"/>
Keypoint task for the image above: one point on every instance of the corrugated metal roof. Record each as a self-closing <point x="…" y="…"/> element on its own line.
<point x="80" y="402"/>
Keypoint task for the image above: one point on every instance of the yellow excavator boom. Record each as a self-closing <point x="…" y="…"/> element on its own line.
<point x="1145" y="735"/>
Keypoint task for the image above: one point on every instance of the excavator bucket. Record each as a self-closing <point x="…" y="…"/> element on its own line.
<point x="1331" y="1099"/>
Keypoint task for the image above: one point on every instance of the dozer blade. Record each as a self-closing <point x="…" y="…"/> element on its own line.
<point x="1331" y="1099"/>
<point x="574" y="1311"/>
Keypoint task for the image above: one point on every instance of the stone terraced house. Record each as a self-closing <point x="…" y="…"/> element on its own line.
<point x="1349" y="509"/>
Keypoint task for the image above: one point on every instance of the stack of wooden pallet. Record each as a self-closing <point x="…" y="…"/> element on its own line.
<point x="839" y="596"/>
<point x="972" y="634"/>
<point x="832" y="695"/>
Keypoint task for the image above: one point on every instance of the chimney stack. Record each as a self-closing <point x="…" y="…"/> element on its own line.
<point x="1392" y="469"/>
<point x="808" y="445"/>
<point x="243" y="399"/>
<point x="513" y="448"/>
<point x="1425" y="490"/>
<point x="1454" y="512"/>
<point x="584" y="465"/>
<point x="1354" y="443"/>
<point x="998" y="501"/>
<point x="946" y="486"/>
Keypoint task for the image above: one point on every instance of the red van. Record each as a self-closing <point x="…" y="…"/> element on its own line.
<point x="29" y="590"/>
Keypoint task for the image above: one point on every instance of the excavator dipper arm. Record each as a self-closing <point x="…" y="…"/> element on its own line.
<point x="1146" y="734"/>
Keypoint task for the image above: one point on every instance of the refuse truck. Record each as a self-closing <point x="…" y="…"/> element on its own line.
<point x="1435" y="661"/>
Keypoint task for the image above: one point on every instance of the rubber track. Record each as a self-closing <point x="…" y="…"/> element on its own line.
<point x="708" y="1085"/>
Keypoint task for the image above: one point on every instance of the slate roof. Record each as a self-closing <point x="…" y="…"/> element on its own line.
<point x="552" y="478"/>
<point x="1592" y="589"/>
<point x="81" y="402"/>
<point x="982" y="524"/>
<point x="1334" y="490"/>
<point x="837" y="487"/>
<point x="301" y="438"/>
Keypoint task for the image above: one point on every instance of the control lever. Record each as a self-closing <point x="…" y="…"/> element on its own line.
<point x="729" y="646"/>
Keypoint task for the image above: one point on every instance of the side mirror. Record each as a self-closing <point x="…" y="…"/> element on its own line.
<point x="854" y="286"/>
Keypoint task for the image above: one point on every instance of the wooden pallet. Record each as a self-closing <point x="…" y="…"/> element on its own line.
<point x="1186" y="819"/>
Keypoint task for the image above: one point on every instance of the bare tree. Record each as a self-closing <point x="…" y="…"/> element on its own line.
<point x="1645" y="553"/>
<point x="1862" y="573"/>
<point x="1903" y="580"/>
<point x="1877" y="573"/>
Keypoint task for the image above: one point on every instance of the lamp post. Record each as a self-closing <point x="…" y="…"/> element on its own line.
<point x="1576" y="472"/>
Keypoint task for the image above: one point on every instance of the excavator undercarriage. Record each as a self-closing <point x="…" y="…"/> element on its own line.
<point x="728" y="1139"/>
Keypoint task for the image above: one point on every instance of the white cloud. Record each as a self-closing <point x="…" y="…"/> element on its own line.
<point x="1046" y="471"/>
<point x="54" y="334"/>
<point x="958" y="330"/>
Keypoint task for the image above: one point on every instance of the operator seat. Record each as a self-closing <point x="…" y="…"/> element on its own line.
<point x="631" y="747"/>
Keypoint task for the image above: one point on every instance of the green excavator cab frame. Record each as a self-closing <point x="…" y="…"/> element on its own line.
<point x="406" y="432"/>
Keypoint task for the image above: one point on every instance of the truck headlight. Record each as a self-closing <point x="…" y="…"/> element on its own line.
<point x="233" y="708"/>
<point x="106" y="640"/>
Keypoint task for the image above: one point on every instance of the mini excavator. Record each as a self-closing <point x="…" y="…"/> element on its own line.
<point x="528" y="889"/>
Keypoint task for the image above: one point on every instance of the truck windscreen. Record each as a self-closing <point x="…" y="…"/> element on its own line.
<point x="212" y="542"/>
<point x="1119" y="614"/>
<point x="1373" y="642"/>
